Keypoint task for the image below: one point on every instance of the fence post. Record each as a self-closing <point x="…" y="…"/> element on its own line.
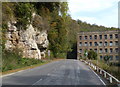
<point x="94" y="67"/>
<point x="105" y="74"/>
<point x="97" y="69"/>
<point x="100" y="71"/>
<point x="110" y="79"/>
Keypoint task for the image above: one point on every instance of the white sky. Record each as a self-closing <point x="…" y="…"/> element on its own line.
<point x="100" y="12"/>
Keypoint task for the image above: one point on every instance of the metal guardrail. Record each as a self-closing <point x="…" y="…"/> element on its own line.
<point x="106" y="75"/>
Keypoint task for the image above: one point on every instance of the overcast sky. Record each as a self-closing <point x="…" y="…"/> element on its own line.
<point x="100" y="12"/>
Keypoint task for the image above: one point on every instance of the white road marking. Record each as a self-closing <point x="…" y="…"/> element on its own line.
<point x="98" y="77"/>
<point x="7" y="75"/>
<point x="12" y="73"/>
<point x="37" y="81"/>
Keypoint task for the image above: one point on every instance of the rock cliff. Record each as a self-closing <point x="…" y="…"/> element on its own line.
<point x="32" y="41"/>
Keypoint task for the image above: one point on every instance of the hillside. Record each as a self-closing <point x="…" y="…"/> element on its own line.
<point x="84" y="26"/>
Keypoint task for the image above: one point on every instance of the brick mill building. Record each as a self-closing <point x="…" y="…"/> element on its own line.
<point x="102" y="42"/>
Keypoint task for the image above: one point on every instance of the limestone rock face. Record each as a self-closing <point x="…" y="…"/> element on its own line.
<point x="31" y="42"/>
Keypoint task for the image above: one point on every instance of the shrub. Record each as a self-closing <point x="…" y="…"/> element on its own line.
<point x="106" y="58"/>
<point x="9" y="60"/>
<point x="92" y="55"/>
<point x="12" y="60"/>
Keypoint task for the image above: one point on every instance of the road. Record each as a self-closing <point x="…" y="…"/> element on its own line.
<point x="63" y="72"/>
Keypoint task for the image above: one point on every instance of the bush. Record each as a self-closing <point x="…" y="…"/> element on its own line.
<point x="106" y="58"/>
<point x="11" y="60"/>
<point x="92" y="55"/>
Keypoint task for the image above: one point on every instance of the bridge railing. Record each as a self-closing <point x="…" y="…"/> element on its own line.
<point x="106" y="75"/>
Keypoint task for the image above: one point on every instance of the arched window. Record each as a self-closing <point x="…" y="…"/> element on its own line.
<point x="106" y="50"/>
<point x="101" y="50"/>
<point x="106" y="44"/>
<point x="105" y="36"/>
<point x="95" y="37"/>
<point x="80" y="51"/>
<point x="100" y="43"/>
<point x="116" y="50"/>
<point x="80" y="44"/>
<point x="100" y="36"/>
<point x="116" y="43"/>
<point x="90" y="37"/>
<point x="116" y="35"/>
<point x="111" y="36"/>
<point x="80" y="37"/>
<point x="111" y="43"/>
<point x="85" y="37"/>
<point x="111" y="50"/>
<point x="86" y="44"/>
<point x="90" y="43"/>
<point x="95" y="44"/>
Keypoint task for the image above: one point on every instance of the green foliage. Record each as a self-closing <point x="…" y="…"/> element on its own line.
<point x="92" y="55"/>
<point x="58" y="36"/>
<point x="9" y="60"/>
<point x="23" y="13"/>
<point x="86" y="27"/>
<point x="56" y="13"/>
<point x="112" y="69"/>
<point x="51" y="55"/>
<point x="85" y="53"/>
<point x="7" y="13"/>
<point x="64" y="9"/>
<point x="40" y="23"/>
<point x="20" y="11"/>
<point x="46" y="9"/>
<point x="100" y="63"/>
<point x="106" y="58"/>
<point x="12" y="60"/>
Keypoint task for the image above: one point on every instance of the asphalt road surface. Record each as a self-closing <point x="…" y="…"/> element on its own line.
<point x="63" y="72"/>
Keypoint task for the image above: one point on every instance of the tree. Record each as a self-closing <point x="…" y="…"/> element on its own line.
<point x="85" y="53"/>
<point x="92" y="55"/>
<point x="106" y="58"/>
<point x="86" y="27"/>
<point x="23" y="14"/>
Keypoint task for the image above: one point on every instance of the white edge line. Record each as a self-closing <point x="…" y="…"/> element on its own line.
<point x="37" y="81"/>
<point x="98" y="77"/>
<point x="12" y="73"/>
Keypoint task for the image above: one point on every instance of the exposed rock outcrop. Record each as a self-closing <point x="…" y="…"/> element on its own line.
<point x="32" y="42"/>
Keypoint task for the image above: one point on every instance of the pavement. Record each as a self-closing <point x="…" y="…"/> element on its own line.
<point x="62" y="72"/>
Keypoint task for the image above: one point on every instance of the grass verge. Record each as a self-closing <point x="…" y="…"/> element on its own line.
<point x="29" y="67"/>
<point x="12" y="61"/>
